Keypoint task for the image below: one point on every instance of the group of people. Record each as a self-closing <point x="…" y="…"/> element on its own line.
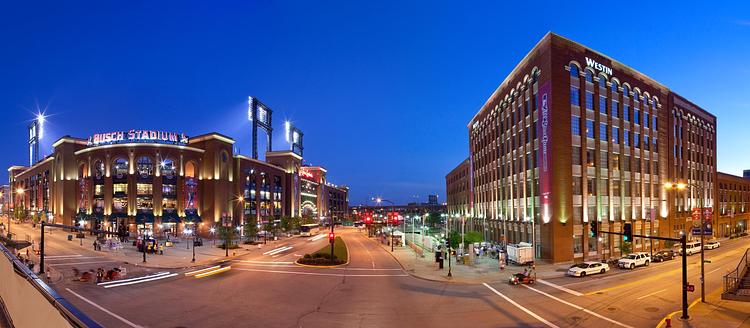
<point x="151" y="246"/>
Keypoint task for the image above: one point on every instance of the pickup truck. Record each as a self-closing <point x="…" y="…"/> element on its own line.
<point x="633" y="260"/>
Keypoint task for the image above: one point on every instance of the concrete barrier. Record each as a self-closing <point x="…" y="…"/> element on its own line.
<point x="29" y="302"/>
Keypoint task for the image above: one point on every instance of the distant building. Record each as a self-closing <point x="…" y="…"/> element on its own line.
<point x="746" y="174"/>
<point x="432" y="199"/>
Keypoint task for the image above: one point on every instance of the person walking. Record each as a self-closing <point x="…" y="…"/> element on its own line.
<point x="94" y="245"/>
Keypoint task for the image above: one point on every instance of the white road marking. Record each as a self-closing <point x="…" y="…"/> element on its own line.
<point x="104" y="310"/>
<point x="72" y="258"/>
<point x="714" y="270"/>
<point x="536" y="316"/>
<point x="368" y="269"/>
<point x="61" y="256"/>
<point x="141" y="281"/>
<point x="201" y="270"/>
<point x="262" y="262"/>
<point x="278" y="250"/>
<point x="213" y="272"/>
<point x="579" y="307"/>
<point x="647" y="295"/>
<point x="327" y="274"/>
<point x="131" y="279"/>
<point x="76" y="263"/>
<point x="321" y="236"/>
<point x="567" y="290"/>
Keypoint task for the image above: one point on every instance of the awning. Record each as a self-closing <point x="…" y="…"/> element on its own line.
<point x="142" y="217"/>
<point x="192" y="218"/>
<point x="170" y="217"/>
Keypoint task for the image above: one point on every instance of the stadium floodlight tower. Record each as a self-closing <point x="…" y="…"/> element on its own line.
<point x="36" y="132"/>
<point x="294" y="137"/>
<point x="260" y="115"/>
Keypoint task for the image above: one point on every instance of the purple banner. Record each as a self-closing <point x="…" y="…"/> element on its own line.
<point x="544" y="155"/>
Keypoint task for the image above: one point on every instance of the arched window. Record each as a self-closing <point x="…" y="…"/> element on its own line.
<point x="615" y="85"/>
<point x="190" y="169"/>
<point x="625" y="90"/>
<point x="83" y="171"/>
<point x="637" y="95"/>
<point x="602" y="81"/>
<point x="144" y="166"/>
<point x="120" y="167"/>
<point x="589" y="75"/>
<point x="573" y="70"/>
<point x="224" y="167"/>
<point x="168" y="168"/>
<point x="98" y="169"/>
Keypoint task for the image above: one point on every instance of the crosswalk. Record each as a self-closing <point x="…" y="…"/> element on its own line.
<point x="137" y="280"/>
<point x="75" y="259"/>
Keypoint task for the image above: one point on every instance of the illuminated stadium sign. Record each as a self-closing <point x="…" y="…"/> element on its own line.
<point x="143" y="136"/>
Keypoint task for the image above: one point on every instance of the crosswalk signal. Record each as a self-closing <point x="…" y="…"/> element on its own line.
<point x="627" y="232"/>
<point x="594" y="229"/>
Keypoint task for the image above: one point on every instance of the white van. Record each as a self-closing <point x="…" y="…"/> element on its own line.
<point x="692" y="247"/>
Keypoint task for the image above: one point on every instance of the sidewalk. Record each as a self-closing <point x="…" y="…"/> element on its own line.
<point x="178" y="256"/>
<point x="714" y="313"/>
<point x="486" y="270"/>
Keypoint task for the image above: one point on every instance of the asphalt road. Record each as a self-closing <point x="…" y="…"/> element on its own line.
<point x="268" y="290"/>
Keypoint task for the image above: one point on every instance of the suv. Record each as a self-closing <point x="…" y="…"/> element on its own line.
<point x="663" y="255"/>
<point x="633" y="260"/>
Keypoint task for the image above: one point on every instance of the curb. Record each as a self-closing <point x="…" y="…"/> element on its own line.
<point x="348" y="256"/>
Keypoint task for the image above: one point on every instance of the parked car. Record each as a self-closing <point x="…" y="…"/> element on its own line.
<point x="692" y="247"/>
<point x="587" y="268"/>
<point x="633" y="260"/>
<point x="663" y="255"/>
<point x="711" y="244"/>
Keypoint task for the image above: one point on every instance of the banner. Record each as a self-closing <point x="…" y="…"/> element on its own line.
<point x="544" y="155"/>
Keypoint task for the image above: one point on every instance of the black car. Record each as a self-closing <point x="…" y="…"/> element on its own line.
<point x="664" y="255"/>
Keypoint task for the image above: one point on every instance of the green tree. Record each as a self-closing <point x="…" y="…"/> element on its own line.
<point x="269" y="226"/>
<point x="20" y="213"/>
<point x="434" y="220"/>
<point x="250" y="229"/>
<point x="455" y="239"/>
<point x="669" y="244"/>
<point x="473" y="237"/>
<point x="625" y="247"/>
<point x="227" y="234"/>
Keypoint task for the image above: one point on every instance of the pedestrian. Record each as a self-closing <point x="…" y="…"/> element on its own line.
<point x="94" y="245"/>
<point x="161" y="249"/>
<point x="99" y="275"/>
<point x="27" y="252"/>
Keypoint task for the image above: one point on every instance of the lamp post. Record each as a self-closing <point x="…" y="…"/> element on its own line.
<point x="380" y="200"/>
<point x="680" y="186"/>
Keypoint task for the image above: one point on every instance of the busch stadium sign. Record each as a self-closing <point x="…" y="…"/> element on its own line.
<point x="137" y="136"/>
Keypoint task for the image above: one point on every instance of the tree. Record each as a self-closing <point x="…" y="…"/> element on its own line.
<point x="625" y="247"/>
<point x="20" y="213"/>
<point x="250" y="228"/>
<point x="434" y="219"/>
<point x="455" y="239"/>
<point x="668" y="244"/>
<point x="226" y="233"/>
<point x="269" y="226"/>
<point x="473" y="237"/>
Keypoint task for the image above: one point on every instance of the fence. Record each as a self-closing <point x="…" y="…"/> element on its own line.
<point x="29" y="302"/>
<point x="733" y="279"/>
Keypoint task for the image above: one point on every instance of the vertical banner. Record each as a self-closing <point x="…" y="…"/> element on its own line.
<point x="544" y="155"/>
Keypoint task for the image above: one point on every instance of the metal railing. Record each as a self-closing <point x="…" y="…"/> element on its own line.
<point x="732" y="279"/>
<point x="74" y="316"/>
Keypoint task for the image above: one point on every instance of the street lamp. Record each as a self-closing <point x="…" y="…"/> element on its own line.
<point x="380" y="200"/>
<point x="190" y="232"/>
<point x="213" y="236"/>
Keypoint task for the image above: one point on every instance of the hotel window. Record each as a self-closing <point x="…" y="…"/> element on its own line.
<point x="626" y="138"/>
<point x="575" y="96"/>
<point x="602" y="81"/>
<point x="636" y="116"/>
<point x="626" y="112"/>
<point x="653" y="122"/>
<point x="603" y="189"/>
<point x="615" y="109"/>
<point x="575" y="125"/>
<point x="645" y="120"/>
<point x="144" y="204"/>
<point x="646" y="145"/>
<point x="655" y="147"/>
<point x="590" y="129"/>
<point x="603" y="132"/>
<point x="615" y="135"/>
<point x="625" y="91"/>
<point x="603" y="159"/>
<point x="589" y="100"/>
<point x="589" y="76"/>
<point x="145" y="188"/>
<point x="615" y="162"/>
<point x="591" y="191"/>
<point x="590" y="157"/>
<point x="573" y="71"/>
<point x="603" y="105"/>
<point x="614" y="86"/>
<point x="636" y="140"/>
<point x="576" y="155"/>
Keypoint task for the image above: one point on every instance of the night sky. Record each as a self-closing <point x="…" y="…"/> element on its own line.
<point x="382" y="91"/>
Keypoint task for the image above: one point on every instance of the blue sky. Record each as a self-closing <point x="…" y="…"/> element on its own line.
<point x="382" y="91"/>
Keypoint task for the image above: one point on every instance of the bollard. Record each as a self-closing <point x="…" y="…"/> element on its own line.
<point x="669" y="322"/>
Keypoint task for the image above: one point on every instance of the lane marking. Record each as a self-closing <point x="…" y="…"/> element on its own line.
<point x="61" y="256"/>
<point x="262" y="262"/>
<point x="73" y="258"/>
<point x="74" y="263"/>
<point x="210" y="273"/>
<point x="567" y="290"/>
<point x="579" y="307"/>
<point x="141" y="281"/>
<point x="278" y="250"/>
<point x="318" y="237"/>
<point x="714" y="270"/>
<point x="201" y="270"/>
<point x="647" y="295"/>
<point x="536" y="316"/>
<point x="275" y="249"/>
<point x="326" y="274"/>
<point x="132" y="279"/>
<point x="104" y="310"/>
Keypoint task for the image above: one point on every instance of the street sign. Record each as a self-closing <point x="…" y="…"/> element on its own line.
<point x="690" y="288"/>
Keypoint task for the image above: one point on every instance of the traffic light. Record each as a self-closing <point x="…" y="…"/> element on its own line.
<point x="331" y="237"/>
<point x="627" y="232"/>
<point x="594" y="229"/>
<point x="368" y="218"/>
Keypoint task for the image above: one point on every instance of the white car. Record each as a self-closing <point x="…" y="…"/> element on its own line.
<point x="587" y="268"/>
<point x="711" y="245"/>
<point x="633" y="260"/>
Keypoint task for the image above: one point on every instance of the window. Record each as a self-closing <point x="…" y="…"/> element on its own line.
<point x="590" y="129"/>
<point x="626" y="112"/>
<point x="645" y="120"/>
<point x="614" y="86"/>
<point x="626" y="163"/>
<point x="576" y="155"/>
<point x="144" y="166"/>
<point x="615" y="135"/>
<point x="625" y="90"/>
<point x="626" y="138"/>
<point x="591" y="191"/>
<point x="167" y="168"/>
<point x="577" y="244"/>
<point x="120" y="167"/>
<point x="168" y="190"/>
<point x="627" y="191"/>
<point x="653" y="122"/>
<point x="603" y="132"/>
<point x="636" y="140"/>
<point x="655" y="147"/>
<point x="589" y="100"/>
<point x="573" y="71"/>
<point x="604" y="187"/>
<point x="575" y="96"/>
<point x="98" y="169"/>
<point x="636" y="116"/>
<point x="145" y="188"/>
<point x="603" y="105"/>
<point x="604" y="159"/>
<point x="589" y="76"/>
<point x="602" y="81"/>
<point x="590" y="157"/>
<point x="646" y="145"/>
<point x="575" y="125"/>
<point x="121" y="188"/>
<point x="615" y="109"/>
<point x="615" y="162"/>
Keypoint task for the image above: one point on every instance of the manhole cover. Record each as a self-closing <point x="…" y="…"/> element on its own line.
<point x="651" y="309"/>
<point x="612" y="308"/>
